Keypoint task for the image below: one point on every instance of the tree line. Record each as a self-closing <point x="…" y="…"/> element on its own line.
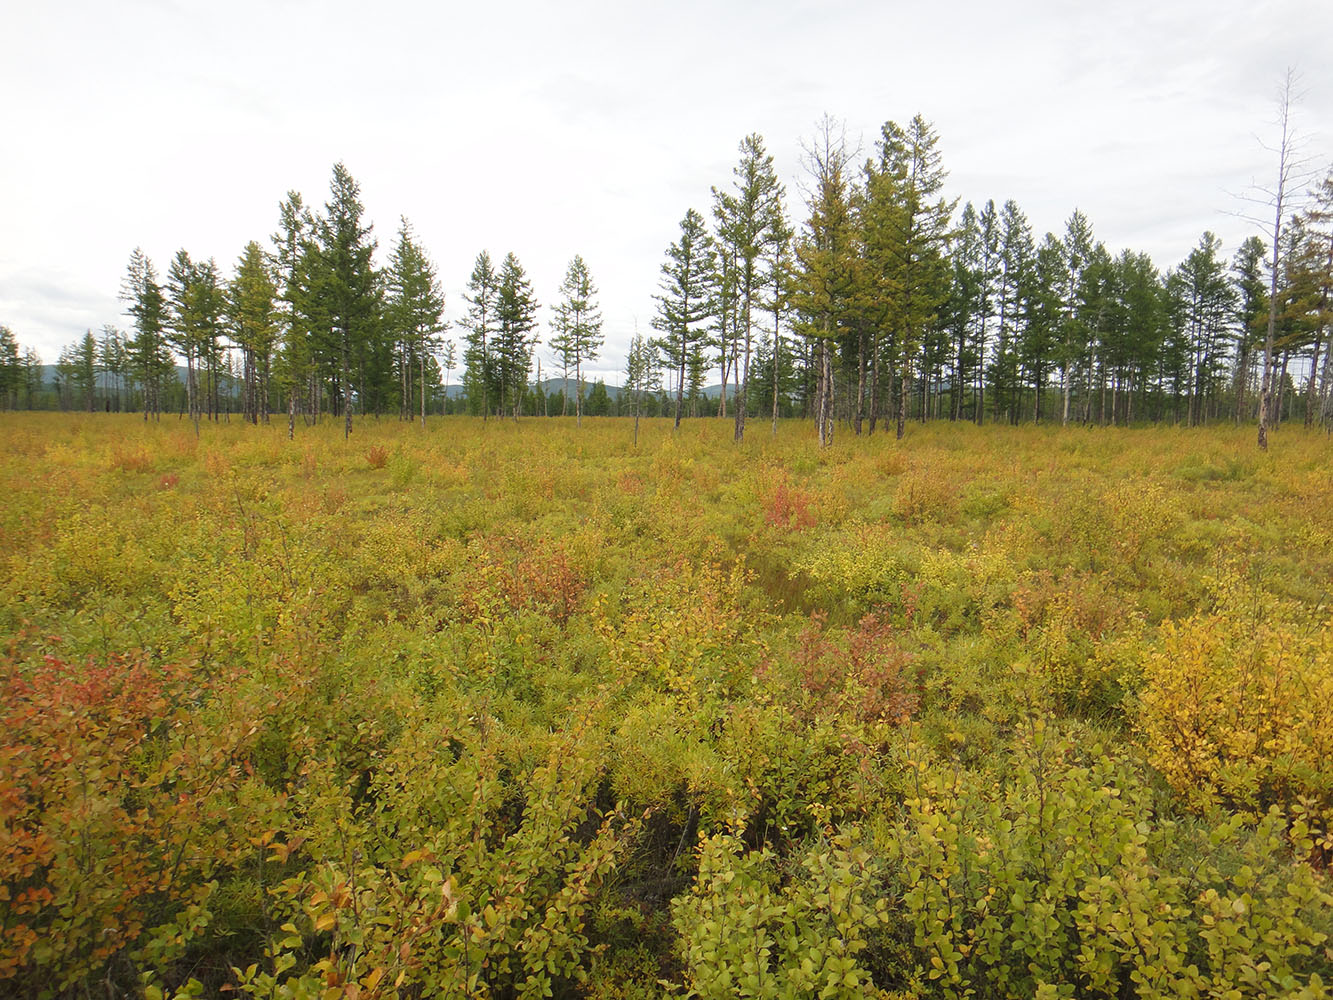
<point x="888" y="303"/>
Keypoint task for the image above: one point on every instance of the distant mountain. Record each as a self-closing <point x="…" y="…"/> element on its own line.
<point x="550" y="385"/>
<point x="50" y="372"/>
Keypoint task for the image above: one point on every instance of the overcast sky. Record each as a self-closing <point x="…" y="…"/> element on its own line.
<point x="557" y="128"/>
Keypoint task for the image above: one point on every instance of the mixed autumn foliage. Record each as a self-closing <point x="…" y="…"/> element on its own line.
<point x="518" y="710"/>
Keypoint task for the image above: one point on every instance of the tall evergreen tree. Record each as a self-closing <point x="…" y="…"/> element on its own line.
<point x="253" y="322"/>
<point x="146" y="305"/>
<point x="11" y="372"/>
<point x="114" y="362"/>
<point x="641" y="376"/>
<point x="827" y="252"/>
<point x="413" y="314"/>
<point x="685" y="303"/>
<point x="183" y="326"/>
<point x="515" y="336"/>
<point x="1014" y="260"/>
<point x="30" y="364"/>
<point x="1043" y="311"/>
<point x="344" y="285"/>
<point x="907" y="233"/>
<point x="749" y="220"/>
<point x="480" y="323"/>
<point x="293" y="254"/>
<point x="1203" y="301"/>
<point x="963" y="308"/>
<point x="86" y="369"/>
<point x="577" y="336"/>
<point x="1077" y="246"/>
<point x="1320" y="220"/>
<point x="1247" y="269"/>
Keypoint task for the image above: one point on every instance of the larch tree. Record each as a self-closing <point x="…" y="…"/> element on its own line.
<point x="826" y="252"/>
<point x="577" y="330"/>
<point x="907" y="234"/>
<point x="685" y="302"/>
<point x="1077" y="246"/>
<point x="448" y="362"/>
<point x="964" y="305"/>
<point x="1042" y="314"/>
<point x="481" y="295"/>
<point x="515" y="335"/>
<point x="1320" y="220"/>
<point x="253" y="323"/>
<point x="778" y="274"/>
<point x="182" y="330"/>
<point x="1289" y="170"/>
<point x="197" y="305"/>
<point x="1249" y="318"/>
<point x="344" y="285"/>
<point x="1014" y="260"/>
<point x="1203" y="301"/>
<point x="11" y="372"/>
<point x="146" y="305"/>
<point x="413" y="313"/>
<point x="293" y="252"/>
<point x="749" y="219"/>
<point x="987" y="294"/>
<point x="641" y="375"/>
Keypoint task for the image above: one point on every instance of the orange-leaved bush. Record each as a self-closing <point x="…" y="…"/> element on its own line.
<point x="113" y="814"/>
<point x="863" y="676"/>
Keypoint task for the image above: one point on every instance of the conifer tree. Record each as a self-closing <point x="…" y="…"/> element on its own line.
<point x="577" y="336"/>
<point x="146" y="305"/>
<point x="293" y="254"/>
<point x="749" y="220"/>
<point x="1204" y="303"/>
<point x="413" y="316"/>
<point x="1251" y="312"/>
<point x="11" y="373"/>
<point x="1015" y="251"/>
<point x="86" y="369"/>
<point x="907" y="232"/>
<point x="1077" y="246"/>
<point x="344" y="286"/>
<point x="483" y="289"/>
<point x="515" y="335"/>
<point x="254" y="329"/>
<point x="183" y="326"/>
<point x="1042" y="315"/>
<point x="964" y="305"/>
<point x="641" y="375"/>
<point x="827" y="253"/>
<point x="686" y="300"/>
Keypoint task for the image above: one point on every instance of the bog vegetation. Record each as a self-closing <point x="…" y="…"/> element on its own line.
<point x="519" y="710"/>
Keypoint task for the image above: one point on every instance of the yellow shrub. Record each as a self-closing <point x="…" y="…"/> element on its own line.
<point x="1238" y="711"/>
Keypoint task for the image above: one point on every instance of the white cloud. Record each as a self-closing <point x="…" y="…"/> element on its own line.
<point x="589" y="127"/>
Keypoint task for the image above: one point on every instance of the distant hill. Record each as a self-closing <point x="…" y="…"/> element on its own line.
<point x="551" y="385"/>
<point x="456" y="389"/>
<point x="50" y="372"/>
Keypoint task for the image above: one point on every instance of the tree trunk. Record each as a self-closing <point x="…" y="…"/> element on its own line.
<point x="743" y="378"/>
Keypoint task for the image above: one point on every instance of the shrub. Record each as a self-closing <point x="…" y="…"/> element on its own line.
<point x="1237" y="712"/>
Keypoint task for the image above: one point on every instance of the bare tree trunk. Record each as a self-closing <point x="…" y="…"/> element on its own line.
<point x="874" y="381"/>
<point x="860" y="382"/>
<point x="743" y="378"/>
<point x="824" y="406"/>
<point x="1279" y="194"/>
<point x="902" y="400"/>
<point x="680" y="382"/>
